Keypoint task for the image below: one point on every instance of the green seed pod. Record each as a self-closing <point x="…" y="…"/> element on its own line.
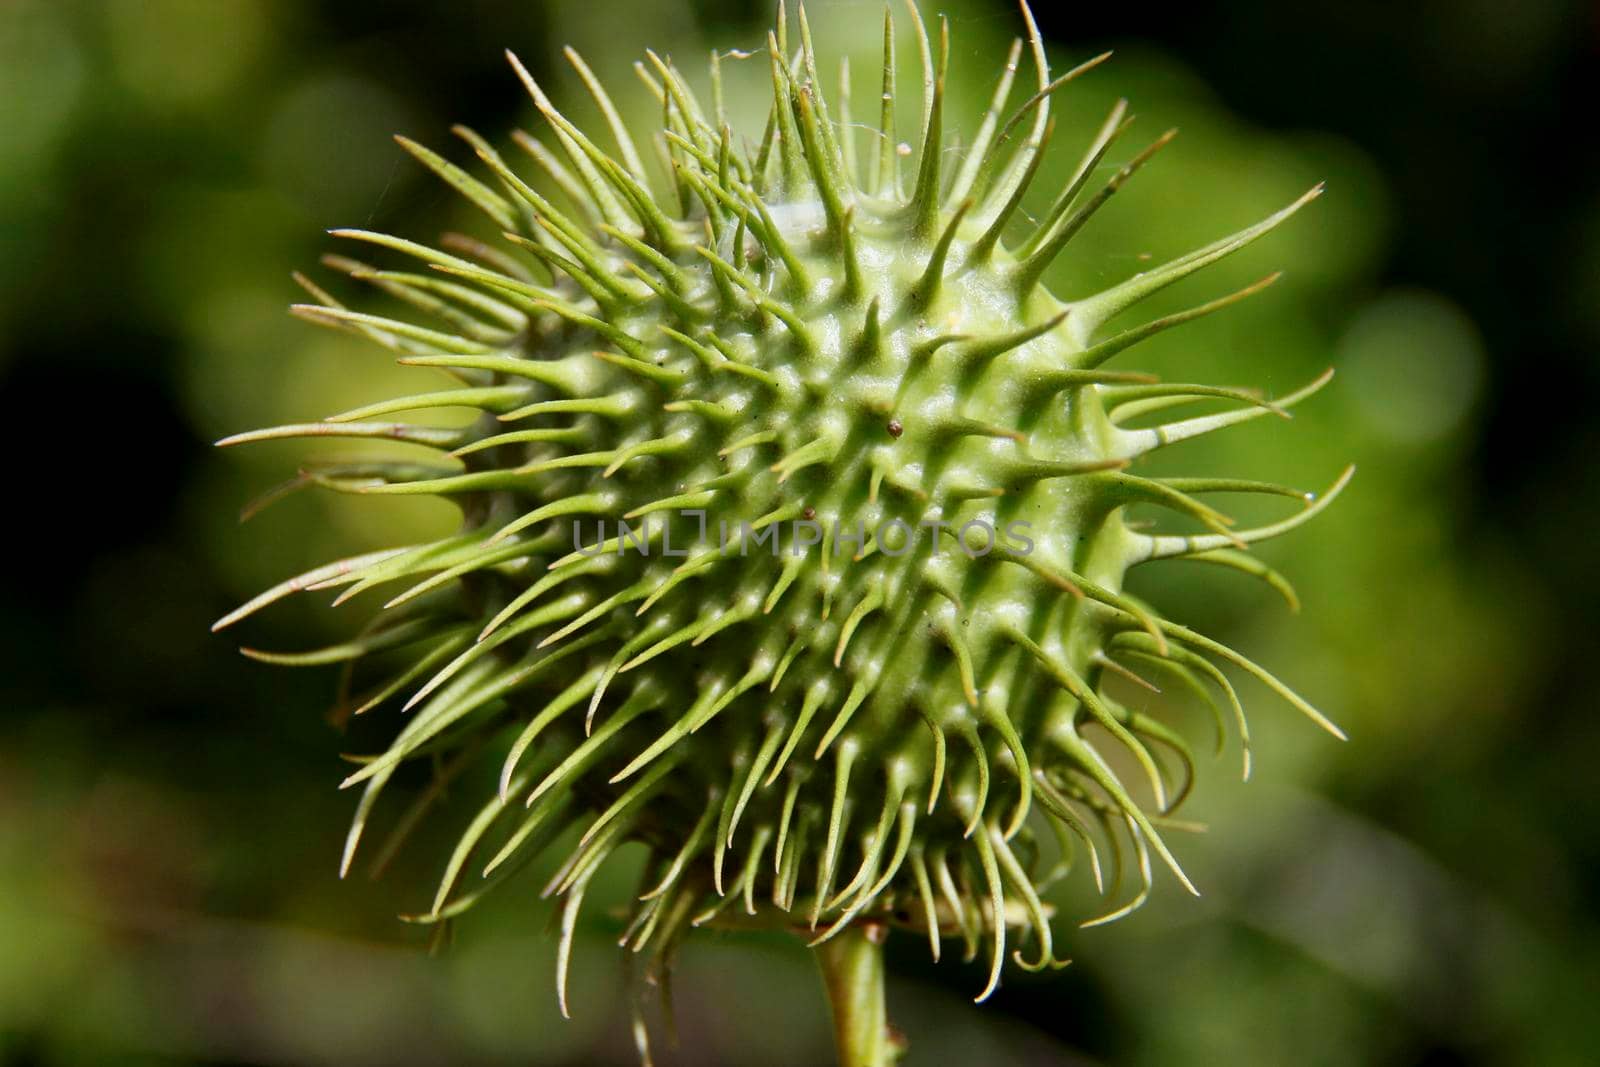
<point x="793" y="533"/>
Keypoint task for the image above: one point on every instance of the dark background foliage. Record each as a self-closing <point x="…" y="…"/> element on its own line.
<point x="168" y="829"/>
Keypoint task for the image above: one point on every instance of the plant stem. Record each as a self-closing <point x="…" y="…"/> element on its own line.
<point x="852" y="973"/>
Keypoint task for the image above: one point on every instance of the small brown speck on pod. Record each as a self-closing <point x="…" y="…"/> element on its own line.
<point x="895" y="428"/>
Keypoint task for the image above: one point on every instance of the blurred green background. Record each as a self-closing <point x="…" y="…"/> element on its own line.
<point x="169" y="827"/>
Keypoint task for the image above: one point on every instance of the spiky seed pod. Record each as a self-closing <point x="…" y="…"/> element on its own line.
<point x="793" y="539"/>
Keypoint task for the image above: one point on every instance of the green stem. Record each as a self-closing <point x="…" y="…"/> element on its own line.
<point x="852" y="973"/>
